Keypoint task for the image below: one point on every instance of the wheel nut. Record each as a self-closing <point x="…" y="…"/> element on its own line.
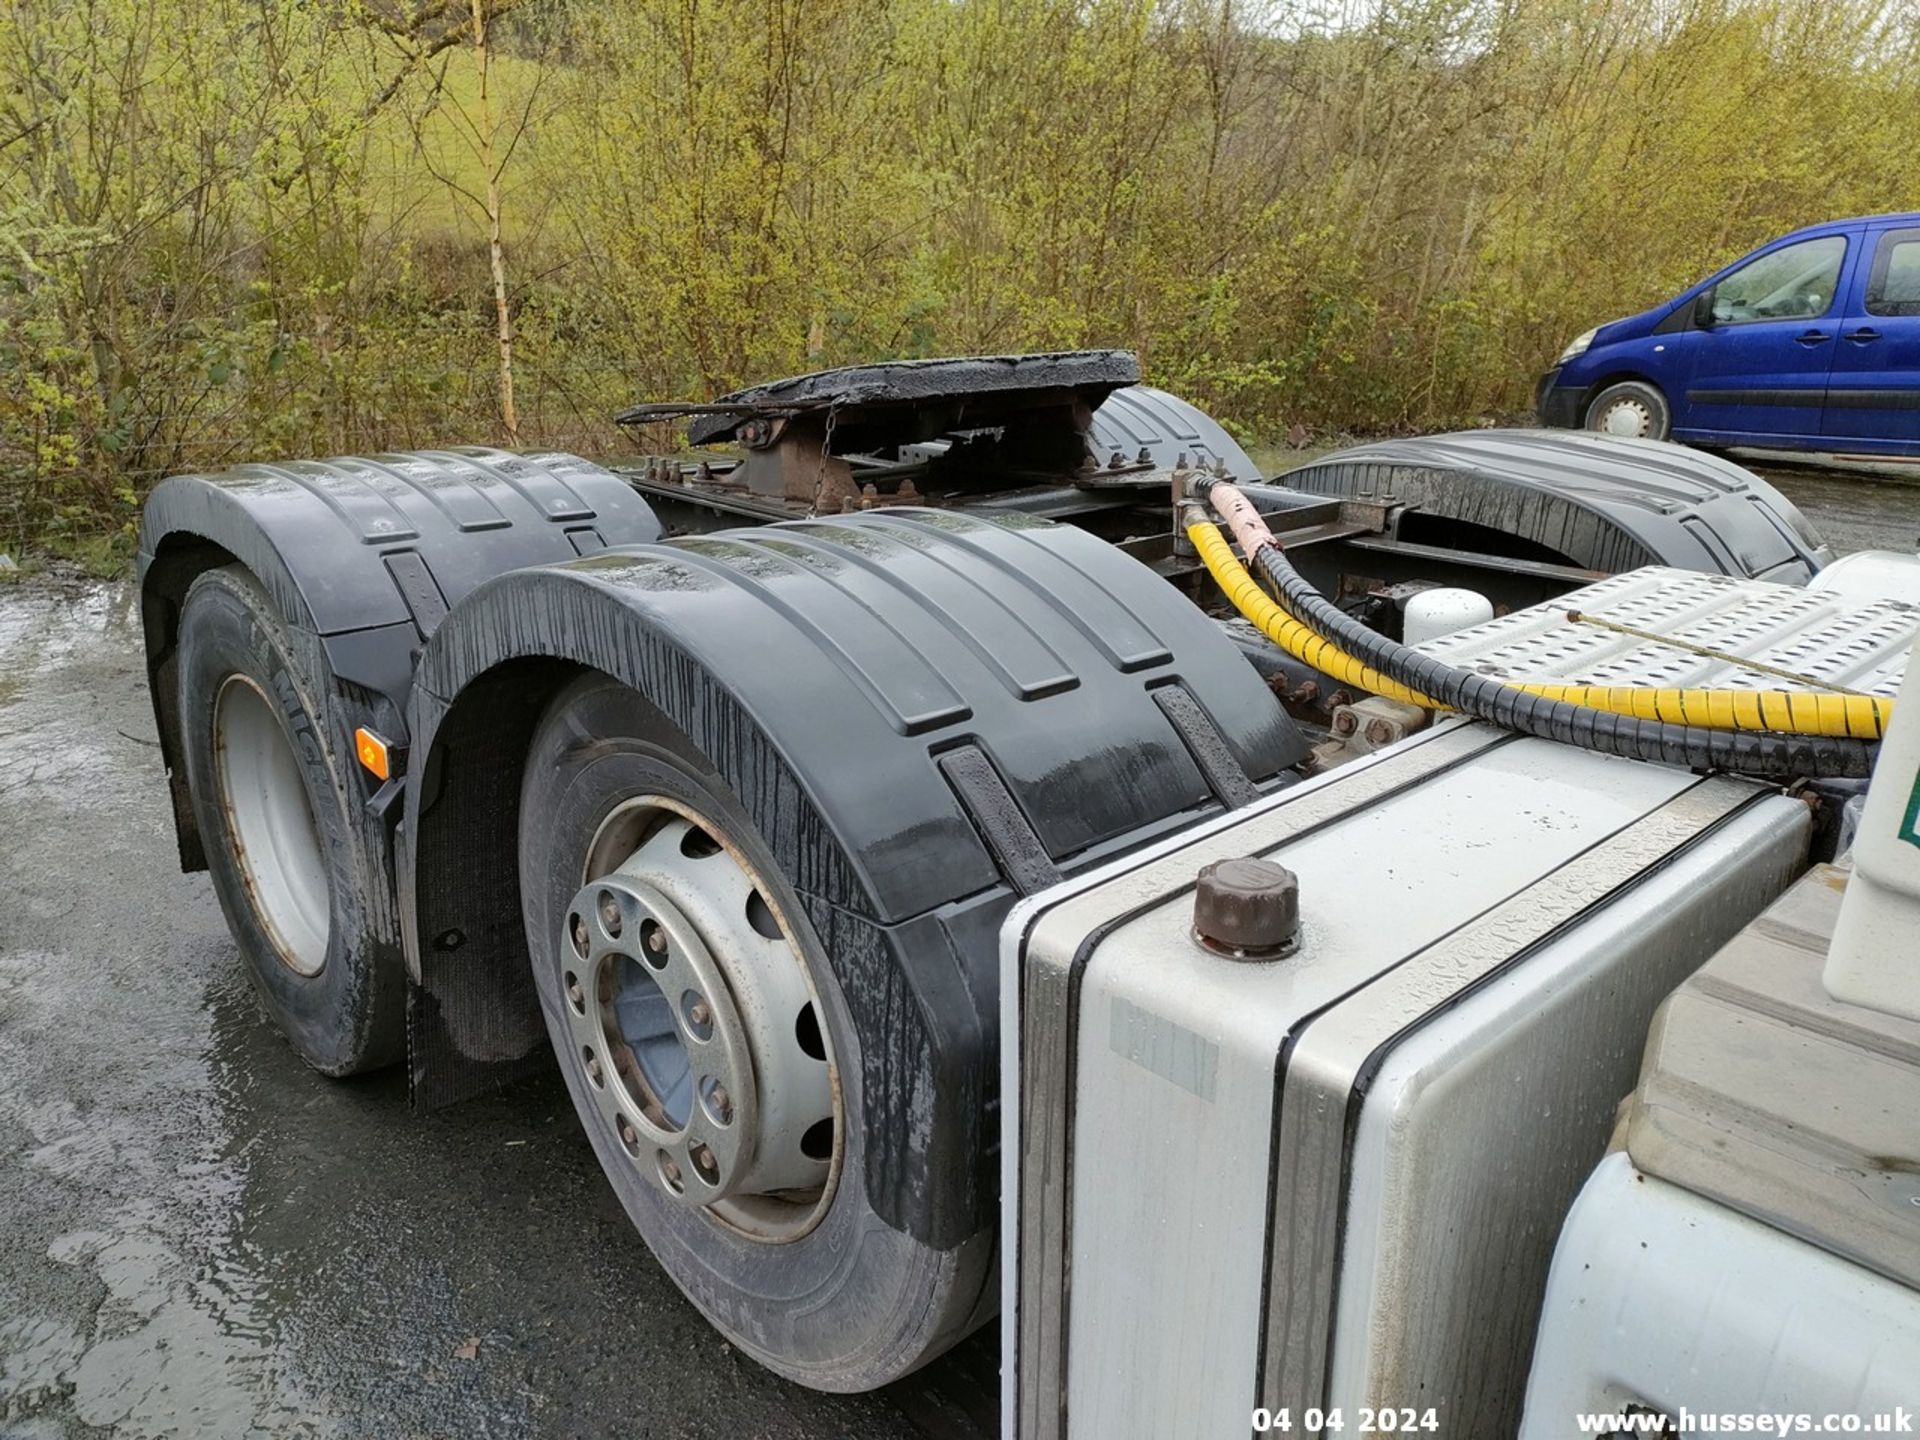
<point x="610" y="913"/>
<point x="722" y="1104"/>
<point x="1248" y="909"/>
<point x="656" y="940"/>
<point x="700" y="1014"/>
<point x="596" y="1072"/>
<point x="581" y="940"/>
<point x="703" y="1162"/>
<point x="670" y="1172"/>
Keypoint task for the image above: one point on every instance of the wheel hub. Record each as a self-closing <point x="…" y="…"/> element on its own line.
<point x="655" y="1020"/>
<point x="1627" y="417"/>
<point x="274" y="839"/>
<point x="694" y="1022"/>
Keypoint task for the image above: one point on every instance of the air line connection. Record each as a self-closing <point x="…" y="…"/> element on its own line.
<point x="1772" y="733"/>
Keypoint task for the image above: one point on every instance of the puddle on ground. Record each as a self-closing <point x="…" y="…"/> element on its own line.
<point x="182" y="1333"/>
<point x="49" y="622"/>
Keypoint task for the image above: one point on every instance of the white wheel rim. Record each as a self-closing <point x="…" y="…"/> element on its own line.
<point x="270" y="826"/>
<point x="1627" y="417"/>
<point x="681" y="981"/>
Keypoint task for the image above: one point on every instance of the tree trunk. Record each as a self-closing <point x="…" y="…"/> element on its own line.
<point x="496" y="251"/>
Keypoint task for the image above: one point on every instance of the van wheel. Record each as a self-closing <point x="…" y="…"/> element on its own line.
<point x="1632" y="408"/>
<point x="270" y="797"/>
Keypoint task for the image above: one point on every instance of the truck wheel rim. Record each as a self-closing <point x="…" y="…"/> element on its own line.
<point x="271" y="832"/>
<point x="695" y="1024"/>
<point x="1627" y="417"/>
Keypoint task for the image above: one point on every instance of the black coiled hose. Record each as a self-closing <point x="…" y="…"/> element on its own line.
<point x="1765" y="754"/>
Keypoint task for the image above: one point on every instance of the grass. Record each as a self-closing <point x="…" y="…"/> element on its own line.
<point x="100" y="557"/>
<point x="1277" y="457"/>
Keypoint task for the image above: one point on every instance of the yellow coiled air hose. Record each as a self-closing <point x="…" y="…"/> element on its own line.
<point x="1813" y="713"/>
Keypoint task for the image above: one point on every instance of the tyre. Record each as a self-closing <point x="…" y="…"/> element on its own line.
<point x="1632" y="408"/>
<point x="271" y="797"/>
<point x="709" y="1051"/>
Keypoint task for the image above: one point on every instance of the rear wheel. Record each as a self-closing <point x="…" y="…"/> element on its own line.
<point x="270" y="798"/>
<point x="707" y="1047"/>
<point x="1631" y="408"/>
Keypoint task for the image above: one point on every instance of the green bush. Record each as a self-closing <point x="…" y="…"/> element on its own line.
<point x="236" y="229"/>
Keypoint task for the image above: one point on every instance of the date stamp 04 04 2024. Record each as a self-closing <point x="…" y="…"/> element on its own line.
<point x="1367" y="1420"/>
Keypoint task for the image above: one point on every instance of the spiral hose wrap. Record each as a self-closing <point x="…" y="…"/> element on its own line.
<point x="1775" y="734"/>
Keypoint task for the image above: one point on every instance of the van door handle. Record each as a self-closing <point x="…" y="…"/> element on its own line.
<point x="1864" y="336"/>
<point x="1813" y="337"/>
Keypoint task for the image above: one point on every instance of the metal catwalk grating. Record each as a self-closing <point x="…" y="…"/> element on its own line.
<point x="1826" y="637"/>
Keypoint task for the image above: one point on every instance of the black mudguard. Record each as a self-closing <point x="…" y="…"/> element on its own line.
<point x="1601" y="502"/>
<point x="927" y="714"/>
<point x="1142" y="420"/>
<point x="364" y="556"/>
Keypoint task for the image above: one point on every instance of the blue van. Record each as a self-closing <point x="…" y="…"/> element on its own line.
<point x="1809" y="343"/>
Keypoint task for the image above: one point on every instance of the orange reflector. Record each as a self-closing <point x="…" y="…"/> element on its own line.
<point x="373" y="754"/>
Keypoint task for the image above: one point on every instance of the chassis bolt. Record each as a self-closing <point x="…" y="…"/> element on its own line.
<point x="1381" y="732"/>
<point x="1247" y="908"/>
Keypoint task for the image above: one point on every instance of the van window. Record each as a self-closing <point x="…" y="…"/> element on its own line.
<point x="1894" y="287"/>
<point x="1795" y="282"/>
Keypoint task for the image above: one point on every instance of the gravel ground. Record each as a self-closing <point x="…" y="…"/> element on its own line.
<point x="204" y="1238"/>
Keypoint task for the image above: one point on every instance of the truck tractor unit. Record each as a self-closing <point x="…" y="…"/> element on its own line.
<point x="973" y="846"/>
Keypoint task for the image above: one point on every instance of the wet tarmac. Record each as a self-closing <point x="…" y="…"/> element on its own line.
<point x="1854" y="512"/>
<point x="203" y="1238"/>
